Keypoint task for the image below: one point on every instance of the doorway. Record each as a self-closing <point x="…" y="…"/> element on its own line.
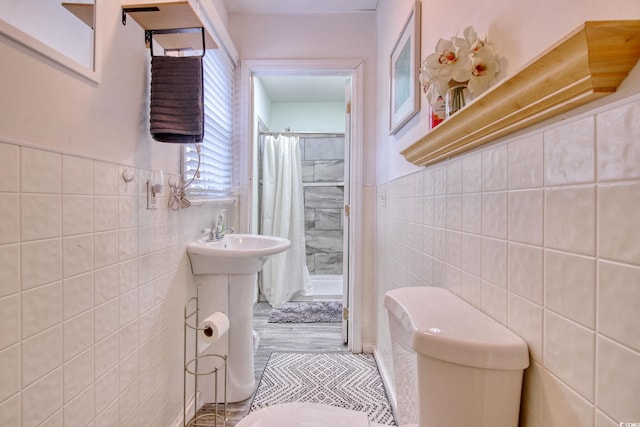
<point x="325" y="126"/>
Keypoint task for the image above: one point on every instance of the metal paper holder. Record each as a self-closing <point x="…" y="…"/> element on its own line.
<point x="191" y="368"/>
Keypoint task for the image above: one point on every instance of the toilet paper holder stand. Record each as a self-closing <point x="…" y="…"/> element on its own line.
<point x="192" y="367"/>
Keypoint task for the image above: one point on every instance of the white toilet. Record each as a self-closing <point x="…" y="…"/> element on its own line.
<point x="469" y="369"/>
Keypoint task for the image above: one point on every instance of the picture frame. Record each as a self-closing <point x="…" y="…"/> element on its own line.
<point x="404" y="99"/>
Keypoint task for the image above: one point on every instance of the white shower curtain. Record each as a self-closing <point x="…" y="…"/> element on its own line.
<point x="282" y="215"/>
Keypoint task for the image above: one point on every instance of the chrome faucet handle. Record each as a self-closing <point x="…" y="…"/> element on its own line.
<point x="230" y="230"/>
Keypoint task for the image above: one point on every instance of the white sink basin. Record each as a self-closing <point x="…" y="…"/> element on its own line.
<point x="234" y="254"/>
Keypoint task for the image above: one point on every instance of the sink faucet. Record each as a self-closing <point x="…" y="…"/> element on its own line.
<point x="219" y="230"/>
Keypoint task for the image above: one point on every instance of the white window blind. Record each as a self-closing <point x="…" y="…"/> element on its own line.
<point x="215" y="176"/>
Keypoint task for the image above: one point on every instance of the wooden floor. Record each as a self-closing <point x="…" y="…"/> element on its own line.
<point x="283" y="337"/>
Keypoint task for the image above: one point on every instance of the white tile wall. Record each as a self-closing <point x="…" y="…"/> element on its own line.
<point x="619" y="157"/>
<point x="541" y="233"/>
<point x="569" y="153"/>
<point x="41" y="353"/>
<point x="77" y="375"/>
<point x="74" y="215"/>
<point x="9" y="269"/>
<point x="10" y="212"/>
<point x="9" y="168"/>
<point x="10" y="361"/>
<point x="618" y="233"/>
<point x="570" y="286"/>
<point x="10" y="319"/>
<point x="41" y="262"/>
<point x="494" y="169"/>
<point x="494" y="215"/>
<point x="570" y="219"/>
<point x="525" y="269"/>
<point x="77" y="294"/>
<point x="92" y="286"/>
<point x="563" y="342"/>
<point x="40" y="171"/>
<point x="78" y="334"/>
<point x="526" y="216"/>
<point x="80" y="411"/>
<point x="526" y="162"/>
<point x="41" y="308"/>
<point x="619" y="293"/>
<point x="41" y="216"/>
<point x="42" y="399"/>
<point x="618" y="376"/>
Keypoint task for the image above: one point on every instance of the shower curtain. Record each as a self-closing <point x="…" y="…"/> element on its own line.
<point x="282" y="215"/>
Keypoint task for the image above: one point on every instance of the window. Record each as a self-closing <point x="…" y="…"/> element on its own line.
<point x="215" y="175"/>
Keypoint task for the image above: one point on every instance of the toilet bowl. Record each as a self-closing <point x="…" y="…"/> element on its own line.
<point x="468" y="368"/>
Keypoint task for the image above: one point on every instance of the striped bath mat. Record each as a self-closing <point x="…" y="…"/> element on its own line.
<point x="307" y="312"/>
<point x="345" y="380"/>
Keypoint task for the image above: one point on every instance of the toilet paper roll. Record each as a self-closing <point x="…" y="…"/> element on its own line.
<point x="214" y="327"/>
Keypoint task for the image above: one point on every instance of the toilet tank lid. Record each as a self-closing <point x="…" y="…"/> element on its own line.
<point x="445" y="327"/>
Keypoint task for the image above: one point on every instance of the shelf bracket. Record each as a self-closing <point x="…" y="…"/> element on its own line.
<point x="126" y="10"/>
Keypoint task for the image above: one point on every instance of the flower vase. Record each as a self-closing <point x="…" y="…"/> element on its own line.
<point x="457" y="97"/>
<point x="437" y="113"/>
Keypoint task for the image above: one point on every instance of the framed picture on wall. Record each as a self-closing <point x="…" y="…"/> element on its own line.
<point x="404" y="98"/>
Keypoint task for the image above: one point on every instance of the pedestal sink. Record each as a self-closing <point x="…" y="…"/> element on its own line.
<point x="234" y="253"/>
<point x="239" y="258"/>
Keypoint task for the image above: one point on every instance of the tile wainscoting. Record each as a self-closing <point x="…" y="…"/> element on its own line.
<point x="541" y="233"/>
<point x="92" y="290"/>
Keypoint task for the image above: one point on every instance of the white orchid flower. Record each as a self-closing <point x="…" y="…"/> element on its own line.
<point x="470" y="35"/>
<point x="462" y="59"/>
<point x="431" y="82"/>
<point x="451" y="61"/>
<point x="485" y="68"/>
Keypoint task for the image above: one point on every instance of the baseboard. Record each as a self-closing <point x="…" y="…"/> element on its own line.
<point x="387" y="380"/>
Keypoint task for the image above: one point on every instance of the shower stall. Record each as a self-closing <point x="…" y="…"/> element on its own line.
<point x="323" y="174"/>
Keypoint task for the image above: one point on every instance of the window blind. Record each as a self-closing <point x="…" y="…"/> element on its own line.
<point x="215" y="176"/>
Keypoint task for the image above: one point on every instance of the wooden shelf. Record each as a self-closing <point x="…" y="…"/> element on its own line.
<point x="83" y="11"/>
<point x="586" y="65"/>
<point x="170" y="15"/>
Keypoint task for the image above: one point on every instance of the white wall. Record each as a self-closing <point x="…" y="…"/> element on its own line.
<point x="348" y="36"/>
<point x="308" y="116"/>
<point x="532" y="229"/>
<point x="519" y="30"/>
<point x="262" y="110"/>
<point x="262" y="103"/>
<point x="45" y="105"/>
<point x="92" y="284"/>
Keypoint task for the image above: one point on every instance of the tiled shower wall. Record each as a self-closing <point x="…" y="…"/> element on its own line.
<point x="92" y="290"/>
<point x="323" y="181"/>
<point x="542" y="233"/>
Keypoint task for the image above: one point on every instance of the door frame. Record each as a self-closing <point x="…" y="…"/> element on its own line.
<point x="247" y="137"/>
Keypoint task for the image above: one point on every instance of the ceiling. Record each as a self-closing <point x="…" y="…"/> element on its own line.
<point x="300" y="6"/>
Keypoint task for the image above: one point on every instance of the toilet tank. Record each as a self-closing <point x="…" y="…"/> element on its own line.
<point x="469" y="366"/>
<point x="405" y="370"/>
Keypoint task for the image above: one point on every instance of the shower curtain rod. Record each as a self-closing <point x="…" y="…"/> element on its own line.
<point x="301" y="133"/>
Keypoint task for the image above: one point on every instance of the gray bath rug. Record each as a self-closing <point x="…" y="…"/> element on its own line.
<point x="308" y="312"/>
<point x="345" y="380"/>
